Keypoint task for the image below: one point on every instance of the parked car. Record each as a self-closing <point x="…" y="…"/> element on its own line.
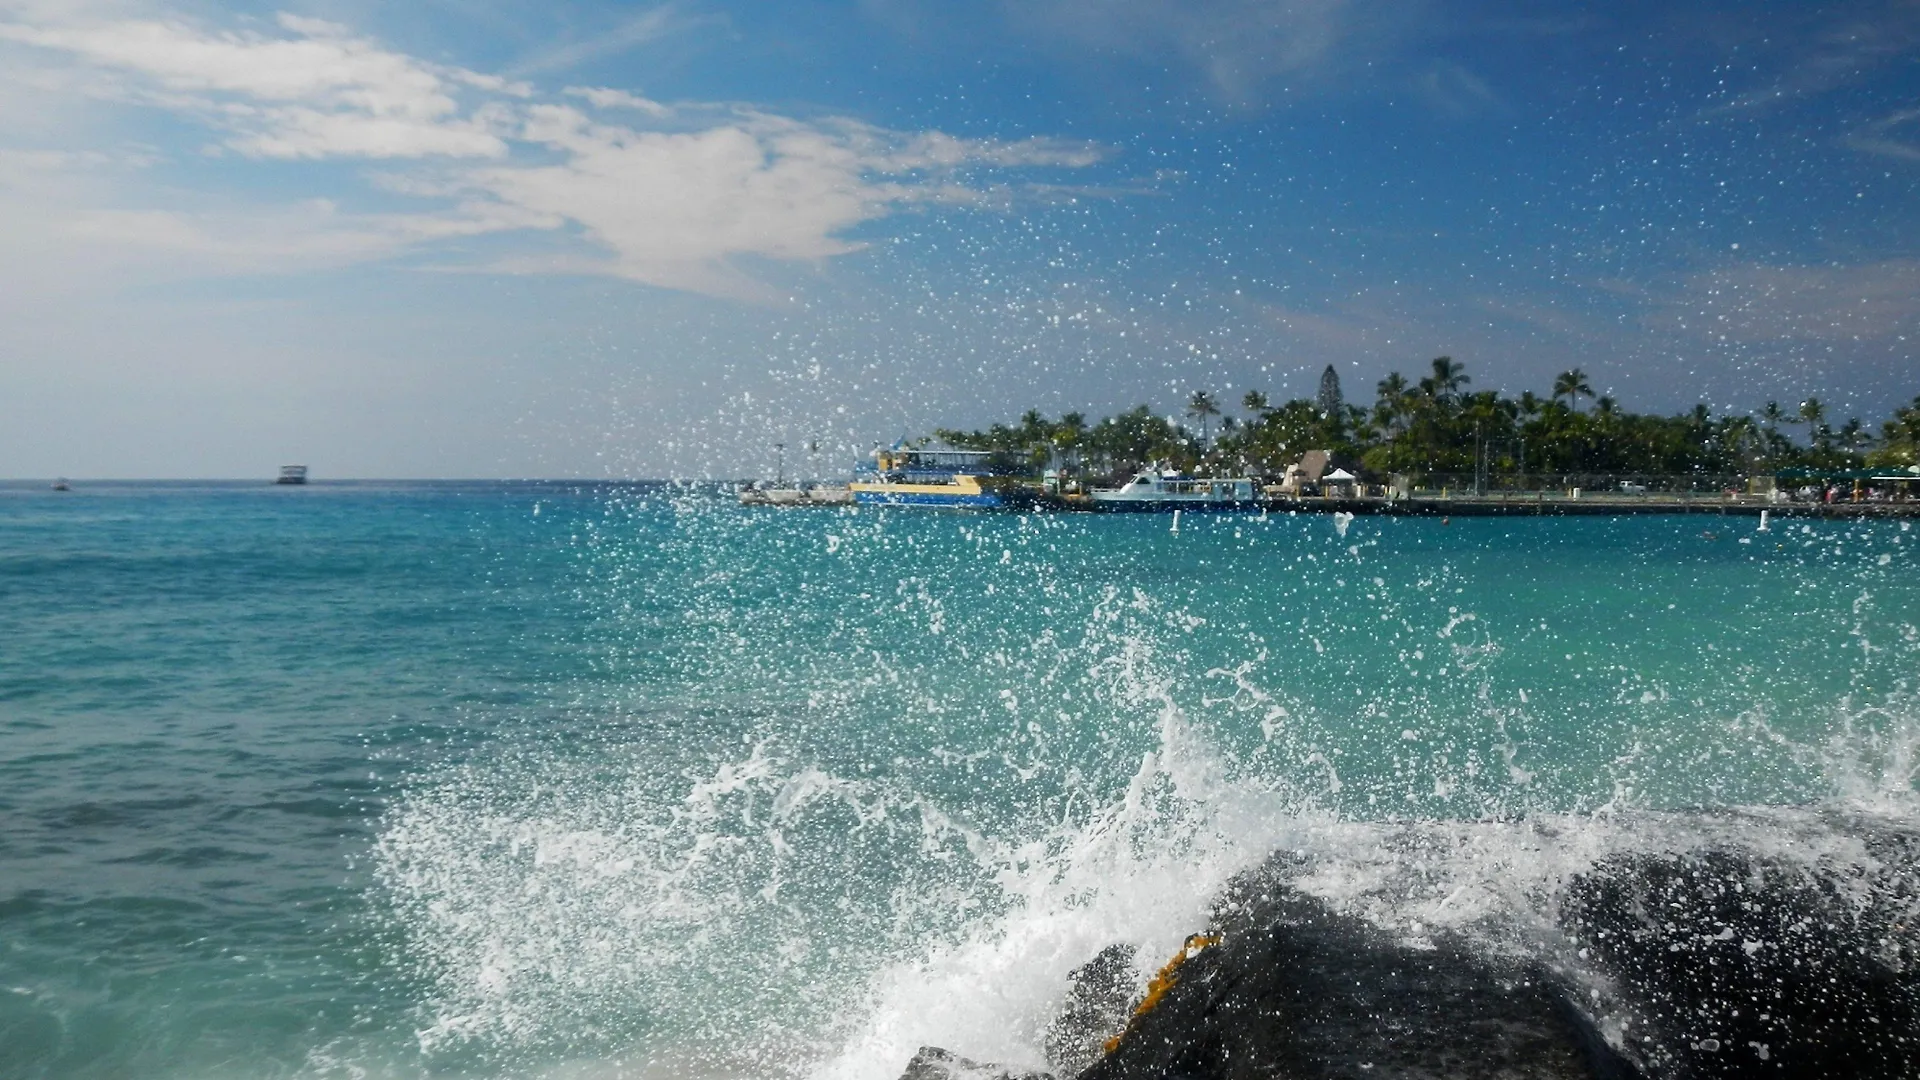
<point x="1632" y="488"/>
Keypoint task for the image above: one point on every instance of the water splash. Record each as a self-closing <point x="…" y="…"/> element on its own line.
<point x="918" y="844"/>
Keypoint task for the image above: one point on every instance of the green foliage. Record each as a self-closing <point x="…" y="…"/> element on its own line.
<point x="1899" y="439"/>
<point x="1438" y="426"/>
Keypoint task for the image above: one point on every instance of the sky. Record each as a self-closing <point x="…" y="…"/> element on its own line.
<point x="562" y="238"/>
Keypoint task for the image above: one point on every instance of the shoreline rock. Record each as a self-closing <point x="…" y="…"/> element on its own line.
<point x="1714" y="963"/>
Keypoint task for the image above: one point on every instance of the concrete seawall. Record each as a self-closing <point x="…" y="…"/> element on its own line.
<point x="1526" y="505"/>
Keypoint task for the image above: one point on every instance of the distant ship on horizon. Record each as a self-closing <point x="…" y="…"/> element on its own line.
<point x="292" y="474"/>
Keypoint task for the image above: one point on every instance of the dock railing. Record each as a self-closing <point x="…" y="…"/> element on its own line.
<point x="1549" y="487"/>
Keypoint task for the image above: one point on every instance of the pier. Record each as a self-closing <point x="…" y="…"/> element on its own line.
<point x="1426" y="504"/>
<point x="1540" y="504"/>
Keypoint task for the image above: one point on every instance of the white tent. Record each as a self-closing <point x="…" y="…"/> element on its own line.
<point x="1338" y="475"/>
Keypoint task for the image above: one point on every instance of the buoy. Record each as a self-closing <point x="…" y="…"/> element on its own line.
<point x="1176" y="521"/>
<point x="1763" y="521"/>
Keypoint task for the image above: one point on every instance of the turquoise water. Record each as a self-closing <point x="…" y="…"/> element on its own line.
<point x="479" y="780"/>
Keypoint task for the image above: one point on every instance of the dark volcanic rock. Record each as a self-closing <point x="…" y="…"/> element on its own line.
<point x="1738" y="966"/>
<point x="1095" y="1010"/>
<point x="933" y="1063"/>
<point x="1719" y="963"/>
<point x="1295" y="990"/>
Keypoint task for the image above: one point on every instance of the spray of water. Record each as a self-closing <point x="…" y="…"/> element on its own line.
<point x="793" y="900"/>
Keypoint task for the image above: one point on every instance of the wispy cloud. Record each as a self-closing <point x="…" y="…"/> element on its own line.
<point x="683" y="196"/>
<point x="1748" y="303"/>
<point x="1246" y="51"/>
<point x="318" y="91"/>
<point x="602" y="97"/>
<point x="1896" y="135"/>
<point x="1452" y="90"/>
<point x="639" y="29"/>
<point x="1852" y="43"/>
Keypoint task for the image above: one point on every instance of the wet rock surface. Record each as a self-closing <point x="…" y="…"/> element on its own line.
<point x="1738" y="966"/>
<point x="1096" y="1008"/>
<point x="933" y="1063"/>
<point x="1699" y="965"/>
<point x="1295" y="990"/>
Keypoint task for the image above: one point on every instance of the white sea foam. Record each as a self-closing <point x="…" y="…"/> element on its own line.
<point x="781" y="913"/>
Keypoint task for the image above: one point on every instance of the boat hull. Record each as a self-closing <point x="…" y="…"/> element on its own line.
<point x="1166" y="505"/>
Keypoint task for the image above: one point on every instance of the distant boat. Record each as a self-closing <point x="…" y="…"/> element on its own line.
<point x="62" y="485"/>
<point x="292" y="474"/>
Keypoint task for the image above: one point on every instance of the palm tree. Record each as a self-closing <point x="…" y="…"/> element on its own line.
<point x="1772" y="415"/>
<point x="1202" y="406"/>
<point x="1448" y="377"/>
<point x="1573" y="386"/>
<point x="1742" y="436"/>
<point x="1254" y="402"/>
<point x="1071" y="430"/>
<point x="1854" y="437"/>
<point x="1392" y="406"/>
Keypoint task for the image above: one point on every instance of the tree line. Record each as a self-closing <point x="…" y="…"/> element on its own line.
<point x="1438" y="425"/>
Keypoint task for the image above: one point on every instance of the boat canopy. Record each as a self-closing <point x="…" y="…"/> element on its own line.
<point x="927" y="464"/>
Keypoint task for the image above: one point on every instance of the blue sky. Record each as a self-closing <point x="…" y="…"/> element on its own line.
<point x="473" y="238"/>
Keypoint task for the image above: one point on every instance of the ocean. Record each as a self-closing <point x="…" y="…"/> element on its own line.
<point x="589" y="781"/>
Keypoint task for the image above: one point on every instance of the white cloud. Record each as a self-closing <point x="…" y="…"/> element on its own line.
<point x="605" y="98"/>
<point x="320" y="92"/>
<point x="681" y="208"/>
<point x="684" y="196"/>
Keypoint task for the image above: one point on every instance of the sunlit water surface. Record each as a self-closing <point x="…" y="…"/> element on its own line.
<point x="543" y="780"/>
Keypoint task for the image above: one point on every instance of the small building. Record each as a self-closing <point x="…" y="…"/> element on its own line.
<point x="1317" y="473"/>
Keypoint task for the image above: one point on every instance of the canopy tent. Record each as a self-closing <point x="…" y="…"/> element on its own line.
<point x="1885" y="472"/>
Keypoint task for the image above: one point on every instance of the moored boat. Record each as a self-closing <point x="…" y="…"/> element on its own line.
<point x="954" y="478"/>
<point x="1169" y="490"/>
<point x="807" y="495"/>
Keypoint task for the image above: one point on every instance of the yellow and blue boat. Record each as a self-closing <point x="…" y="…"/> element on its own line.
<point x="980" y="479"/>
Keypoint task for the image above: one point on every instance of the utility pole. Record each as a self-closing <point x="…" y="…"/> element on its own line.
<point x="1479" y="459"/>
<point x="780" y="466"/>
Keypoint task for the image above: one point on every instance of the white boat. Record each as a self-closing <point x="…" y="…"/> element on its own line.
<point x="1169" y="490"/>
<point x="814" y="495"/>
<point x="292" y="474"/>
